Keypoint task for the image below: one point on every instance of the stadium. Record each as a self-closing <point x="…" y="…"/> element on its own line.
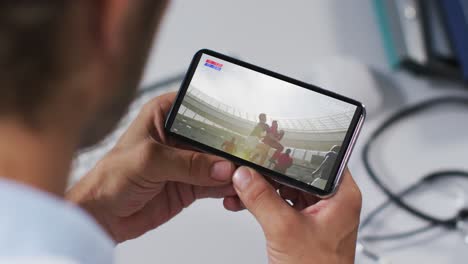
<point x="208" y="120"/>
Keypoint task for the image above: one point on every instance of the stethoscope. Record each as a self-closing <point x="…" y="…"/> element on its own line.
<point x="456" y="222"/>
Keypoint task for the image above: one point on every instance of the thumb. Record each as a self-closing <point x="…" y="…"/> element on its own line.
<point x="261" y="199"/>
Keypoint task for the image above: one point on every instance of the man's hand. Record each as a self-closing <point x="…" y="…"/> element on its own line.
<point x="145" y="180"/>
<point x="308" y="231"/>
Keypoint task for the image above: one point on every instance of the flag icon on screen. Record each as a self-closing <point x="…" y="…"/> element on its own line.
<point x="213" y="65"/>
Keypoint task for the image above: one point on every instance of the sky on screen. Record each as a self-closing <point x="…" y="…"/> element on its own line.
<point x="254" y="93"/>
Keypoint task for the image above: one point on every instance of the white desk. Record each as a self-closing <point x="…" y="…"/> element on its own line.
<point x="288" y="36"/>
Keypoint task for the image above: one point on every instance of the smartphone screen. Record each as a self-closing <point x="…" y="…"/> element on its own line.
<point x="289" y="130"/>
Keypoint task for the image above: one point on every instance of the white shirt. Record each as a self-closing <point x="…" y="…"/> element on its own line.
<point x="36" y="227"/>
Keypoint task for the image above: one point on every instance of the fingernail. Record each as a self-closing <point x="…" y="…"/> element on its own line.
<point x="242" y="178"/>
<point x="221" y="171"/>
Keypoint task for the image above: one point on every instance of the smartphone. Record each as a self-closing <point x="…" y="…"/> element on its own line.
<point x="296" y="133"/>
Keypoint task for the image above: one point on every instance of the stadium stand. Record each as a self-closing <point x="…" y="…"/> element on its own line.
<point x="207" y="120"/>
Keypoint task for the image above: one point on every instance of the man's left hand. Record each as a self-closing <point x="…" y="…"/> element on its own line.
<point x="147" y="179"/>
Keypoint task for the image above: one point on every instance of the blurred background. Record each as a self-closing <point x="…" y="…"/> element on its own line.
<point x="388" y="54"/>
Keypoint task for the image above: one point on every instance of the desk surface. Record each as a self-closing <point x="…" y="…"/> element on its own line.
<point x="288" y="38"/>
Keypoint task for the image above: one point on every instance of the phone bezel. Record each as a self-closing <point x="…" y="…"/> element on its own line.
<point x="342" y="158"/>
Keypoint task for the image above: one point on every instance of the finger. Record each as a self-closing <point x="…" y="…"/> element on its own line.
<point x="289" y="193"/>
<point x="343" y="207"/>
<point x="150" y="120"/>
<point x="262" y="200"/>
<point x="164" y="163"/>
<point x="233" y="203"/>
<point x="300" y="203"/>
<point x="300" y="199"/>
<point x="161" y="111"/>
<point x="273" y="183"/>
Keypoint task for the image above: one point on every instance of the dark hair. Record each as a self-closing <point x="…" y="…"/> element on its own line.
<point x="288" y="151"/>
<point x="29" y="40"/>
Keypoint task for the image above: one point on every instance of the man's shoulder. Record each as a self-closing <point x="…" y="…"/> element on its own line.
<point x="51" y="227"/>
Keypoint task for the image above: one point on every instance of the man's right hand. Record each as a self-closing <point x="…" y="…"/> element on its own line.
<point x="308" y="231"/>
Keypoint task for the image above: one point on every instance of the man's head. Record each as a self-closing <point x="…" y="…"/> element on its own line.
<point x="288" y="151"/>
<point x="73" y="64"/>
<point x="262" y="117"/>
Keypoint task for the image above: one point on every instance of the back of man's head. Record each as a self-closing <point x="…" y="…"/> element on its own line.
<point x="29" y="39"/>
<point x="73" y="59"/>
